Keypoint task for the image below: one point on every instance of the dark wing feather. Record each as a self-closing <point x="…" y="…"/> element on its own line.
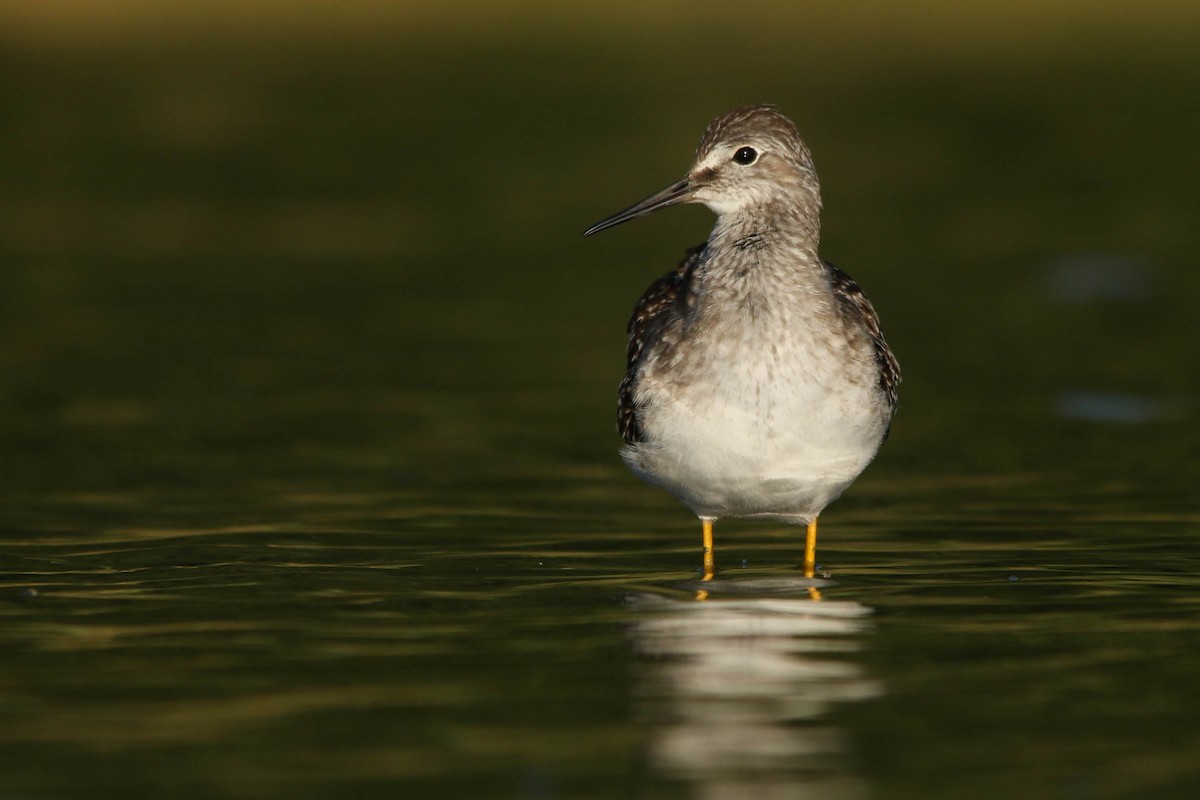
<point x="856" y="303"/>
<point x="652" y="312"/>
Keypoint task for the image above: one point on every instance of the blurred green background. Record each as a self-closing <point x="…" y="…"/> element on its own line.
<point x="306" y="371"/>
<point x="206" y="206"/>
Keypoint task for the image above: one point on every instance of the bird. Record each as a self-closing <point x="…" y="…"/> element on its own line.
<point x="759" y="384"/>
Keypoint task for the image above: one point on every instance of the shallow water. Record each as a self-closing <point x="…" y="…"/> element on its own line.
<point x="309" y="478"/>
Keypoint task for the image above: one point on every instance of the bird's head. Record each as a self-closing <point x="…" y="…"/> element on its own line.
<point x="751" y="158"/>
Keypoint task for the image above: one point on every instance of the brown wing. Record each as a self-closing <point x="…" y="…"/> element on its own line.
<point x="652" y="312"/>
<point x="856" y="303"/>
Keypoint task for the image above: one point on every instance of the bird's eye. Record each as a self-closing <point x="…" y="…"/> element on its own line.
<point x="745" y="156"/>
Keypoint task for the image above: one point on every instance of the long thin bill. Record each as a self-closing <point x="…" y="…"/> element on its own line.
<point x="672" y="195"/>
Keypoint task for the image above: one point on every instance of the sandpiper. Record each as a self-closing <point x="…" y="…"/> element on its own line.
<point x="759" y="383"/>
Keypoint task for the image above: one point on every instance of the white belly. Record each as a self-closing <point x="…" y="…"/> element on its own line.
<point x="740" y="434"/>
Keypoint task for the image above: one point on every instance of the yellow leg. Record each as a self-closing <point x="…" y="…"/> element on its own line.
<point x="707" y="528"/>
<point x="810" y="549"/>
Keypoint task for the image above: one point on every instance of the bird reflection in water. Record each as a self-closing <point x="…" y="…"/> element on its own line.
<point x="736" y="689"/>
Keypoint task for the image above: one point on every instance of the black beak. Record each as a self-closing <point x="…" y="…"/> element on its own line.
<point x="673" y="195"/>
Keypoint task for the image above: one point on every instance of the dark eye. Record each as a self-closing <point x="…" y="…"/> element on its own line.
<point x="745" y="156"/>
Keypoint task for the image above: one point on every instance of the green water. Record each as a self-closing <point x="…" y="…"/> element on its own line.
<point x="308" y="477"/>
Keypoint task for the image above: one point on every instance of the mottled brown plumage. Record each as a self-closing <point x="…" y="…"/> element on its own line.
<point x="660" y="301"/>
<point x="663" y="299"/>
<point x="856" y="304"/>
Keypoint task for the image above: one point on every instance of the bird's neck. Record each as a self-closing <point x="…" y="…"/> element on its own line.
<point x="774" y="246"/>
<point x="769" y="232"/>
<point x="764" y="265"/>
